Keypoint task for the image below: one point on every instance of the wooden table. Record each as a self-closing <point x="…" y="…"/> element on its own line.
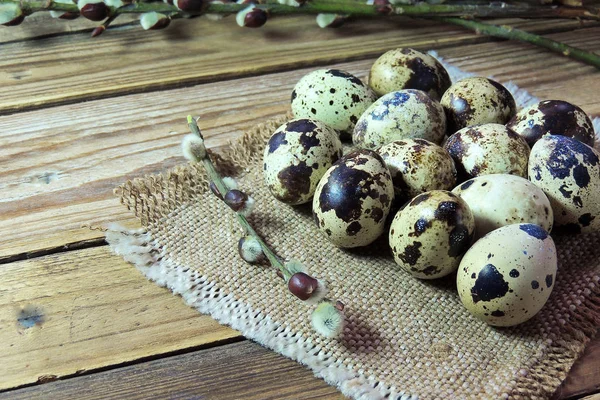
<point x="80" y="116"/>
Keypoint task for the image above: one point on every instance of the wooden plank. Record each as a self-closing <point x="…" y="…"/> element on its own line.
<point x="56" y="175"/>
<point x="81" y="310"/>
<point x="584" y="377"/>
<point x="41" y="24"/>
<point x="70" y="68"/>
<point x="235" y="371"/>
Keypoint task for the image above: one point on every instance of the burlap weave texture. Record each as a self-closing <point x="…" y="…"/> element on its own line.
<point x="403" y="338"/>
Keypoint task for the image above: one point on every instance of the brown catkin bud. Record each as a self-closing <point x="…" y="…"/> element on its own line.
<point x="93" y="10"/>
<point x="236" y="199"/>
<point x="383" y="6"/>
<point x="302" y="285"/>
<point x="251" y="17"/>
<point x="213" y="188"/>
<point x="191" y="5"/>
<point x="99" y="30"/>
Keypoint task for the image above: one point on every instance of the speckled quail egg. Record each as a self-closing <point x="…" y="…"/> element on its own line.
<point x="488" y="149"/>
<point x="353" y="199"/>
<point x="332" y="96"/>
<point x="400" y="115"/>
<point x="429" y="236"/>
<point x="506" y="277"/>
<point x="418" y="166"/>
<point x="553" y="117"/>
<point x="477" y="100"/>
<point x="296" y="157"/>
<point x="568" y="171"/>
<point x="499" y="199"/>
<point x="408" y="69"/>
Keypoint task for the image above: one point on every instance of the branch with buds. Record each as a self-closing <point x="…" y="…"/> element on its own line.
<point x="329" y="14"/>
<point x="328" y="317"/>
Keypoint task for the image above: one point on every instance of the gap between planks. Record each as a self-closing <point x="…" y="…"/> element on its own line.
<point x="239" y="370"/>
<point x="83" y="310"/>
<point x="69" y="69"/>
<point x="234" y="371"/>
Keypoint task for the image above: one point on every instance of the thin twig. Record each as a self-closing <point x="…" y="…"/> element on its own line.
<point x="508" y="32"/>
<point x="493" y="9"/>
<point x="215" y="177"/>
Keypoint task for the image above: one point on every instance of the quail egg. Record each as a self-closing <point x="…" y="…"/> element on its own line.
<point x="353" y="199"/>
<point x="506" y="277"/>
<point x="418" y="166"/>
<point x="488" y="149"/>
<point x="568" y="171"/>
<point x="499" y="199"/>
<point x="400" y="115"/>
<point x="408" y="69"/>
<point x="553" y="117"/>
<point x="296" y="157"/>
<point x="332" y="96"/>
<point x="477" y="100"/>
<point x="429" y="236"/>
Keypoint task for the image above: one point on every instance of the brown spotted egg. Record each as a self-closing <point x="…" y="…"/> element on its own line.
<point x="477" y="100"/>
<point x="553" y="117"/>
<point x="353" y="199"/>
<point x="499" y="199"/>
<point x="418" y="166"/>
<point x="296" y="157"/>
<point x="332" y="96"/>
<point x="507" y="276"/>
<point x="400" y="115"/>
<point x="408" y="69"/>
<point x="429" y="236"/>
<point x="568" y="171"/>
<point x="488" y="149"/>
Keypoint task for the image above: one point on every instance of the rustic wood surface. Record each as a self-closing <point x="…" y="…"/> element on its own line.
<point x="80" y="116"/>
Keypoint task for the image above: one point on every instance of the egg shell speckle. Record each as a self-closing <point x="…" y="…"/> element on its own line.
<point x="568" y="172"/>
<point x="353" y="199"/>
<point x="553" y="117"/>
<point x="499" y="199"/>
<point x="488" y="149"/>
<point x="408" y="69"/>
<point x="477" y="100"/>
<point x="418" y="166"/>
<point x="429" y="236"/>
<point x="296" y="157"/>
<point x="332" y="96"/>
<point x="400" y="115"/>
<point x="506" y="277"/>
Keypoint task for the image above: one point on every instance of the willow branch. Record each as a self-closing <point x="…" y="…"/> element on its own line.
<point x="215" y="177"/>
<point x="490" y="10"/>
<point x="507" y="32"/>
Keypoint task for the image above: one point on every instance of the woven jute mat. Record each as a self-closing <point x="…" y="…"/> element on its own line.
<point x="404" y="338"/>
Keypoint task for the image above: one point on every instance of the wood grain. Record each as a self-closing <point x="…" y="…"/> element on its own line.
<point x="58" y="166"/>
<point x="73" y="67"/>
<point x="235" y="371"/>
<point x="81" y="310"/>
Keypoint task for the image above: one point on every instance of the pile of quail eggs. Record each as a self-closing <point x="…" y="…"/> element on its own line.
<point x="452" y="173"/>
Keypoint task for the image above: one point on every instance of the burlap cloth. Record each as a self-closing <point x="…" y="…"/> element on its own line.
<point x="404" y="338"/>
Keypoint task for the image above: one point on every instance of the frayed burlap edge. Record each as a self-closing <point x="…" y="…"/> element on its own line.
<point x="146" y="198"/>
